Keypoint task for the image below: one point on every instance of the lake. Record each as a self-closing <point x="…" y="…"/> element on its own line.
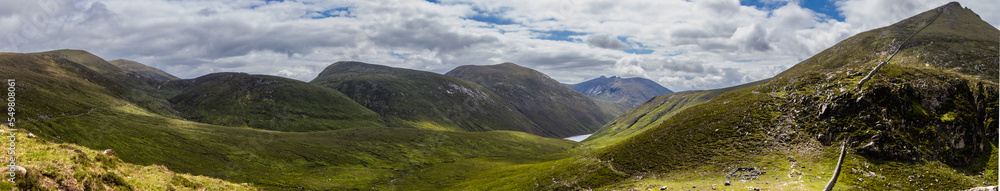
<point x="578" y="138"/>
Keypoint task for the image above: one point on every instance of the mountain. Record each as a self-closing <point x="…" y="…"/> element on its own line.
<point x="545" y="101"/>
<point x="269" y="102"/>
<point x="926" y="120"/>
<point x="426" y="100"/>
<point x="630" y="91"/>
<point x="143" y="69"/>
<point x="70" y="106"/>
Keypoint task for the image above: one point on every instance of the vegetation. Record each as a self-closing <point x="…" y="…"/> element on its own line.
<point x="269" y="102"/>
<point x="562" y="111"/>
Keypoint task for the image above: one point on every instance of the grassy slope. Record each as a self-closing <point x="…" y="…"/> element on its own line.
<point x="60" y="166"/>
<point x="940" y="137"/>
<point x="550" y="104"/>
<point x="651" y="114"/>
<point x="270" y="102"/>
<point x="143" y="69"/>
<point x="424" y="99"/>
<point x="86" y="113"/>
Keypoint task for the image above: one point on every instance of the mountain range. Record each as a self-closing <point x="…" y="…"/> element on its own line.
<point x="924" y="119"/>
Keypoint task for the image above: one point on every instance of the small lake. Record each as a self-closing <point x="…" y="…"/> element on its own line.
<point x="578" y="138"/>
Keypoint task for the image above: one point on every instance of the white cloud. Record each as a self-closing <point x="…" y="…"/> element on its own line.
<point x="697" y="44"/>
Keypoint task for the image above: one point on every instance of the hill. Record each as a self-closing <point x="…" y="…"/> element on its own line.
<point x="134" y="87"/>
<point x="652" y="113"/>
<point x="424" y="99"/>
<point x="143" y="69"/>
<point x="545" y="101"/>
<point x="630" y="91"/>
<point x="919" y="123"/>
<point x="269" y="102"/>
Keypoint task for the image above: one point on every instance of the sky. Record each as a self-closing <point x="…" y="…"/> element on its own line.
<point x="681" y="44"/>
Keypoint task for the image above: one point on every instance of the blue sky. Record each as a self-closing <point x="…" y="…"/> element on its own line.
<point x="681" y="44"/>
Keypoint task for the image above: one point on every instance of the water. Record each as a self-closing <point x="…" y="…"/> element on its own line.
<point x="578" y="138"/>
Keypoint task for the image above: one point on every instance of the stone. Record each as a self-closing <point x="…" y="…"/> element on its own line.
<point x="109" y="152"/>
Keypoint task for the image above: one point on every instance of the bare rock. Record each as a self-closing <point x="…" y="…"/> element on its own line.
<point x="109" y="152"/>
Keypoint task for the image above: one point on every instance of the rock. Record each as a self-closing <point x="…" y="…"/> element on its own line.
<point x="30" y="135"/>
<point x="18" y="169"/>
<point x="728" y="183"/>
<point x="663" y="188"/>
<point x="988" y="188"/>
<point x="109" y="152"/>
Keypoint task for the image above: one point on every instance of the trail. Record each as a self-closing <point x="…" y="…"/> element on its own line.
<point x="870" y="74"/>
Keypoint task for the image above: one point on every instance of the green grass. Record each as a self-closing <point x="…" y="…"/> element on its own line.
<point x="270" y="102"/>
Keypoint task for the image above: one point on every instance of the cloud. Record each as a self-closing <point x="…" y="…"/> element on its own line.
<point x="682" y="44"/>
<point x="606" y="41"/>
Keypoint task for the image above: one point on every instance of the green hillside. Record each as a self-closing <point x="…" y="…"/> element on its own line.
<point x="915" y="125"/>
<point x="548" y="103"/>
<point x="652" y="113"/>
<point x="269" y="102"/>
<point x="134" y="87"/>
<point x="143" y="69"/>
<point x="425" y="100"/>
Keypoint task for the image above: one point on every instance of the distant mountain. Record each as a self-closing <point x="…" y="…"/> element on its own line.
<point x="143" y="69"/>
<point x="631" y="91"/>
<point x="545" y="101"/>
<point x="269" y="102"/>
<point x="424" y="99"/>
